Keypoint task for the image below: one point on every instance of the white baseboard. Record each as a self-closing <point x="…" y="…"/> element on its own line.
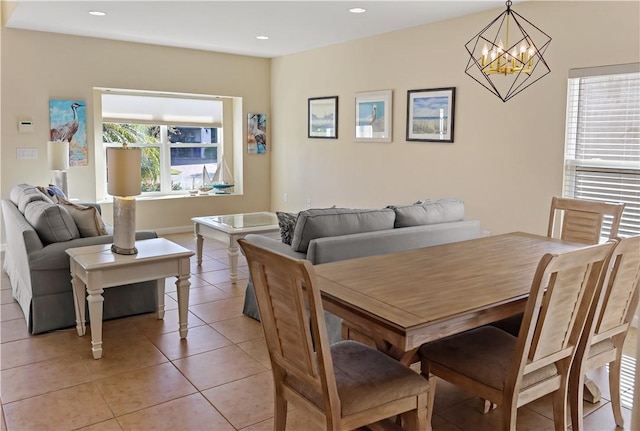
<point x="170" y="230"/>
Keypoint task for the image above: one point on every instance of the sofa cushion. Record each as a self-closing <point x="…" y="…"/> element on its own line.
<point x="440" y="211"/>
<point x="86" y="218"/>
<point x="320" y="223"/>
<point x="52" y="222"/>
<point x="287" y="223"/>
<point x="23" y="194"/>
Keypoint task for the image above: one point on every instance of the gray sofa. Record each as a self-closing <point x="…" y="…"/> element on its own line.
<point x="38" y="231"/>
<point x="333" y="234"/>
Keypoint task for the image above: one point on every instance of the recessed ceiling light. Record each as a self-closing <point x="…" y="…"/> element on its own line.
<point x="97" y="13"/>
<point x="357" y="10"/>
<point x="262" y="37"/>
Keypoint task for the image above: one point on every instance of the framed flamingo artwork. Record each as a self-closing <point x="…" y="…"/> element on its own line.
<point x="373" y="116"/>
<point x="68" y="122"/>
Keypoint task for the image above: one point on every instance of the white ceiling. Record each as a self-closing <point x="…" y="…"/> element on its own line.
<point x="232" y="26"/>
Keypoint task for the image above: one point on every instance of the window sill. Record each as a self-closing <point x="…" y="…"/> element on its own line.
<point x="172" y="196"/>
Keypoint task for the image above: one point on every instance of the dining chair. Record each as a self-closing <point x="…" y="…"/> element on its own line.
<point x="606" y="328"/>
<point x="581" y="220"/>
<point x="513" y="371"/>
<point x="345" y="385"/>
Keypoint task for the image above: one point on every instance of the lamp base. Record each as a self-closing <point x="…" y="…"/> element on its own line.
<point x="60" y="181"/>
<point x="124" y="226"/>
<point x="127" y="251"/>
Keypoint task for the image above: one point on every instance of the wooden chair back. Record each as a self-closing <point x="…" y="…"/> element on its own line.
<point x="562" y="292"/>
<point x="581" y="220"/>
<point x="292" y="317"/>
<point x="607" y="326"/>
<point x="619" y="297"/>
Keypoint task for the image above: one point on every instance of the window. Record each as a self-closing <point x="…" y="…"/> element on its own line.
<point x="181" y="137"/>
<point x="602" y="149"/>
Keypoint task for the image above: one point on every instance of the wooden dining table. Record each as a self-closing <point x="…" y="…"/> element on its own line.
<point x="402" y="300"/>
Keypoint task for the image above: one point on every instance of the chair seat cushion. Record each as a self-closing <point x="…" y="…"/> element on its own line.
<point x="365" y="378"/>
<point x="484" y="355"/>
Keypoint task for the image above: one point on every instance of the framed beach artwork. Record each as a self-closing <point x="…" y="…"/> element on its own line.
<point x="257" y="133"/>
<point x="430" y="114"/>
<point x="373" y="116"/>
<point x="323" y="117"/>
<point x="68" y="122"/>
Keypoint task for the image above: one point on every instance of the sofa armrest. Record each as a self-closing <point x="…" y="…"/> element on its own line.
<point x="54" y="256"/>
<point x="274" y="245"/>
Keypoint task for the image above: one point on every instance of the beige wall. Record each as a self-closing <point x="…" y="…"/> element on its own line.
<point x="39" y="66"/>
<point x="506" y="162"/>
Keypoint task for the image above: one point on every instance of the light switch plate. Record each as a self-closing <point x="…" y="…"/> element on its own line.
<point x="27" y="153"/>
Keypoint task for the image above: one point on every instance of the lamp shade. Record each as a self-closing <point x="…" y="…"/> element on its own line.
<point x="58" y="155"/>
<point x="123" y="171"/>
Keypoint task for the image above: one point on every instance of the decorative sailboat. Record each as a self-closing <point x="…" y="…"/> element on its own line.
<point x="206" y="186"/>
<point x="222" y="180"/>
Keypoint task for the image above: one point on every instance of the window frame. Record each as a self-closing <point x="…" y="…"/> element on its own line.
<point x="587" y="176"/>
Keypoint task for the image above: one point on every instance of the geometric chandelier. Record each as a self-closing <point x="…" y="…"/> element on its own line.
<point x="507" y="55"/>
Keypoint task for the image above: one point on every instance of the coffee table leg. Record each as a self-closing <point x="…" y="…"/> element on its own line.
<point x="95" y="300"/>
<point x="160" y="296"/>
<point x="182" y="286"/>
<point x="79" y="302"/>
<point x="233" y="252"/>
<point x="199" y="241"/>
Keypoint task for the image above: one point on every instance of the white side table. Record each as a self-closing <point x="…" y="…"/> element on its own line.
<point x="97" y="268"/>
<point x="229" y="228"/>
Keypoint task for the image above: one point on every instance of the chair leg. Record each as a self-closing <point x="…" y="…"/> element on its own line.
<point x="280" y="413"/>
<point x="424" y="371"/>
<point x="614" y="387"/>
<point x="576" y="392"/>
<point x="559" y="398"/>
<point x="509" y="416"/>
<point x="418" y="419"/>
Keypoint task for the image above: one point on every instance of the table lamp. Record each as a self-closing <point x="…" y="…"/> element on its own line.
<point x="123" y="183"/>
<point x="58" y="157"/>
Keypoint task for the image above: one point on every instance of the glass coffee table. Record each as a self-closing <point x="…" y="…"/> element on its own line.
<point x="229" y="228"/>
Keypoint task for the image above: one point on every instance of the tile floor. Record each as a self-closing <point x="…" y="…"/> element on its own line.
<point x="216" y="379"/>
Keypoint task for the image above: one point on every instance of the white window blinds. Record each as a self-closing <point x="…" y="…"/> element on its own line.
<point x="602" y="150"/>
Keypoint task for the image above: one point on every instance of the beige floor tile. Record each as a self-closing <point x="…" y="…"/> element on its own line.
<point x="244" y="402"/>
<point x="13" y="330"/>
<point x="218" y="367"/>
<point x="257" y="349"/>
<point x="447" y="394"/>
<point x="218" y="310"/>
<point x="199" y="295"/>
<point x="110" y="425"/>
<point x="192" y="412"/>
<point x="10" y="311"/>
<point x="42" y="377"/>
<point x="150" y="325"/>
<point x="602" y="419"/>
<point x="139" y="389"/>
<point x="440" y="424"/>
<point x="6" y="297"/>
<point x="208" y="264"/>
<point x="120" y="356"/>
<point x="35" y="348"/>
<point x="215" y="277"/>
<point x="296" y="421"/>
<point x="239" y="329"/>
<point x="234" y="289"/>
<point x="199" y="339"/>
<point x="65" y="409"/>
<point x="468" y="415"/>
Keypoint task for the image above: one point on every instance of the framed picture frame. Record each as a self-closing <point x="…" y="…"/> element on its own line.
<point x="430" y="114"/>
<point x="323" y="117"/>
<point x="373" y="116"/>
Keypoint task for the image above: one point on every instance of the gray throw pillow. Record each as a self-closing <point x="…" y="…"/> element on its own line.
<point x="52" y="222"/>
<point x="287" y="223"/>
<point x="440" y="211"/>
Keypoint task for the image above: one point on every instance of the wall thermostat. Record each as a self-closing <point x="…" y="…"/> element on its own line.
<point x="25" y="126"/>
